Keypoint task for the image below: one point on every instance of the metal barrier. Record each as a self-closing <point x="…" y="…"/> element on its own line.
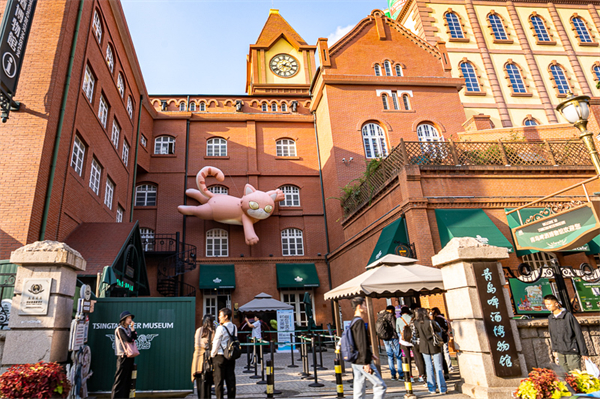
<point x="315" y="384"/>
<point x="338" y="378"/>
<point x="407" y="377"/>
<point x="133" y="381"/>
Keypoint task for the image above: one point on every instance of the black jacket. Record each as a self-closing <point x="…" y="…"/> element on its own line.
<point x="362" y="342"/>
<point x="565" y="335"/>
<point x="423" y="332"/>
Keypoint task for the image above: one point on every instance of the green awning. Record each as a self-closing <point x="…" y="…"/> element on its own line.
<point x="214" y="277"/>
<point x="297" y="275"/>
<point x="513" y="221"/>
<point x="594" y="246"/>
<point x="392" y="235"/>
<point x="469" y="223"/>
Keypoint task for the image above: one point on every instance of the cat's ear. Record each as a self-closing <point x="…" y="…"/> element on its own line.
<point x="249" y="189"/>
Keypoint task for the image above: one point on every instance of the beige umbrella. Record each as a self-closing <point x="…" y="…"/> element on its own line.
<point x="392" y="260"/>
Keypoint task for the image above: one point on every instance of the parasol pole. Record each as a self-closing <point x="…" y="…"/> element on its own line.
<point x="372" y="333"/>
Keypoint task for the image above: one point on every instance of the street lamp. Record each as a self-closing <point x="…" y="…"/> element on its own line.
<point x="576" y="110"/>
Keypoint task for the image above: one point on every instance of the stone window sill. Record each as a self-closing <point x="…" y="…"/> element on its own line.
<point x="286" y="158"/>
<point x="459" y="40"/>
<point x="592" y="44"/>
<point x="521" y="94"/>
<point x="546" y="43"/>
<point x="503" y="41"/>
<point x="475" y="93"/>
<point x="213" y="157"/>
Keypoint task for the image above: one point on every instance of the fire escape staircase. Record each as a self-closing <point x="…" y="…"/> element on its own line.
<point x="170" y="271"/>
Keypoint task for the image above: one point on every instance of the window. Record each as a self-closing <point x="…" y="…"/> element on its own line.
<point x="125" y="153"/>
<point x="377" y="70"/>
<point x="296" y="299"/>
<point x="120" y="85"/>
<point x="388" y="68"/>
<point x="216" y="147"/>
<point x="116" y="131"/>
<point x="147" y="239"/>
<point x="292" y="196"/>
<point x="427" y="132"/>
<point x="145" y="195"/>
<point x="395" y="100"/>
<point x="539" y="259"/>
<point x="182" y="106"/>
<point x="468" y="72"/>
<point x="88" y="84"/>
<point x="108" y="193"/>
<point x="539" y="27"/>
<point x="217" y="243"/>
<point x="596" y="70"/>
<point x="202" y="106"/>
<point x="110" y="58"/>
<point x="406" y="102"/>
<point x="95" y="174"/>
<point x="97" y="26"/>
<point x="497" y="27"/>
<point x="130" y="107"/>
<point x="560" y="79"/>
<point x="583" y="34"/>
<point x="283" y="107"/>
<point x="292" y="243"/>
<point x="454" y="25"/>
<point x="265" y="107"/>
<point x="143" y="141"/>
<point x="78" y="155"/>
<point x="516" y="79"/>
<point x="193" y="107"/>
<point x="285" y="148"/>
<point x="530" y="121"/>
<point x="218" y="190"/>
<point x="374" y="141"/>
<point x="273" y="107"/>
<point x="103" y="111"/>
<point x="384" y="99"/>
<point x="120" y="213"/>
<point x="164" y="145"/>
<point x="398" y="70"/>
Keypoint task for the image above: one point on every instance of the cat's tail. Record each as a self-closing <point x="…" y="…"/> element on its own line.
<point x="201" y="178"/>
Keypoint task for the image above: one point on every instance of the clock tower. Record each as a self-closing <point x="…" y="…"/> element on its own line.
<point x="280" y="62"/>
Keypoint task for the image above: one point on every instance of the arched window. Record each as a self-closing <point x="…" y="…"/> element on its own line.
<point x="218" y="189"/>
<point x="560" y="79"/>
<point x="283" y="107"/>
<point x="427" y="132"/>
<point x="265" y="107"/>
<point x="292" y="196"/>
<point x="130" y="107"/>
<point x="539" y="259"/>
<point x="516" y="79"/>
<point x="395" y="101"/>
<point x="120" y="85"/>
<point x="468" y="72"/>
<point x="164" y="145"/>
<point x="581" y="29"/>
<point x="384" y="99"/>
<point x="216" y="147"/>
<point x="377" y="70"/>
<point x="292" y="243"/>
<point x="406" y="102"/>
<point x="540" y="29"/>
<point x="217" y="243"/>
<point x="182" y="106"/>
<point x="530" y="121"/>
<point x="454" y="25"/>
<point x="497" y="27"/>
<point x="285" y="148"/>
<point x="145" y="195"/>
<point x="193" y="107"/>
<point x="273" y="107"/>
<point x="388" y="68"/>
<point x="147" y="238"/>
<point x="596" y="70"/>
<point x="110" y="58"/>
<point x="97" y="26"/>
<point x="374" y="141"/>
<point x="202" y="106"/>
<point x="398" y="68"/>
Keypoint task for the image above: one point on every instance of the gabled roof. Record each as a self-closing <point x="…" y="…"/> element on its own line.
<point x="276" y="27"/>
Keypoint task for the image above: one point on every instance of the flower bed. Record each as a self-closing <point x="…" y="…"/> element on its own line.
<point x="40" y="380"/>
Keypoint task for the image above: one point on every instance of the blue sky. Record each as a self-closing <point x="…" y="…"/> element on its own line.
<point x="200" y="46"/>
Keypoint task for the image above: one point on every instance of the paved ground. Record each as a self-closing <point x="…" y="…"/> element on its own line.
<point x="292" y="385"/>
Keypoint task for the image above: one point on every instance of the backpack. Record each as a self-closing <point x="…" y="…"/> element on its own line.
<point x="406" y="333"/>
<point x="349" y="351"/>
<point x="233" y="351"/>
<point x="383" y="327"/>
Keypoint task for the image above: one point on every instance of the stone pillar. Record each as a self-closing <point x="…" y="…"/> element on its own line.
<point x="458" y="262"/>
<point x="36" y="334"/>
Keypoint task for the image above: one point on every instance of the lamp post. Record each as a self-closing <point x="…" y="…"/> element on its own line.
<point x="576" y="109"/>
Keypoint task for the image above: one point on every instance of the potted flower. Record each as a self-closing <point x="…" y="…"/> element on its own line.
<point x="582" y="382"/>
<point x="40" y="380"/>
<point x="542" y="384"/>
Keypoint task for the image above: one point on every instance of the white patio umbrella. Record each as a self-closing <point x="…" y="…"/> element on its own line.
<point x="264" y="303"/>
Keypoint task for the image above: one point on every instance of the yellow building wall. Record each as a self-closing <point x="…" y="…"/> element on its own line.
<point x="543" y="62"/>
<point x="411" y="23"/>
<point x="524" y="13"/>
<point x="482" y="11"/>
<point x="586" y="63"/>
<point x="565" y="15"/>
<point x="499" y="60"/>
<point x="492" y="112"/>
<point x="440" y="23"/>
<point x="282" y="46"/>
<point x="475" y="58"/>
<point x="518" y="116"/>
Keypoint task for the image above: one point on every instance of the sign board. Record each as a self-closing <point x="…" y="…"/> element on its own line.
<point x="588" y="295"/>
<point x="395" y="6"/>
<point x="285" y="328"/>
<point x="34" y="296"/>
<point x="16" y="25"/>
<point x="529" y="297"/>
<point x="85" y="306"/>
<point x="563" y="231"/>
<point x="496" y="320"/>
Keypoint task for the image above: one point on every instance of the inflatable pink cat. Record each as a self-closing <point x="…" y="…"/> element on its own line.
<point x="255" y="205"/>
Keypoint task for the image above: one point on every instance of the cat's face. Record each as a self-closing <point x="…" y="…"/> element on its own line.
<point x="257" y="204"/>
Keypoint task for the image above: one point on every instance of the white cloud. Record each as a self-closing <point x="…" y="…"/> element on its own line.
<point x="338" y="34"/>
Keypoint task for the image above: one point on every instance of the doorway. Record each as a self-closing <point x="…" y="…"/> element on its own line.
<point x="216" y="300"/>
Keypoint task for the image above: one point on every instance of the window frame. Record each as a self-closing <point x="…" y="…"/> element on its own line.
<point x="494" y="28"/>
<point x="110" y="58"/>
<point x="376" y="141"/>
<point x="146" y="189"/>
<point x="399" y="69"/>
<point x="121" y="84"/>
<point x="528" y="119"/>
<point x="162" y="142"/>
<point x="109" y="193"/>
<point x="284" y="107"/>
<point x="125" y="153"/>
<point x="562" y="69"/>
<point x="544" y="25"/>
<point x="218" y="189"/>
<point x="283" y="145"/>
<point x="385" y="102"/>
<point x="202" y="106"/>
<point x="274" y="107"/>
<point x="290" y="241"/>
<point x="143" y="141"/>
<point x="510" y="64"/>
<point x="578" y="34"/>
<point x="387" y="67"/>
<point x="291" y="196"/>
<point x="78" y="159"/>
<point x="265" y="107"/>
<point x="103" y="110"/>
<point x="299" y="309"/>
<point x="182" y="105"/>
<point x="192" y="105"/>
<point x="476" y="77"/>
<point x="222" y="237"/>
<point x="147" y="236"/>
<point x="395" y="101"/>
<point x="95" y="176"/>
<point x="424" y="138"/>
<point x="115" y="133"/>
<point x="87" y="78"/>
<point x="97" y="27"/>
<point x="406" y="102"/>
<point x="130" y="107"/>
<point x="120" y="214"/>
<point x="596" y="71"/>
<point x="458" y="24"/>
<point x="377" y="69"/>
<point x="214" y="147"/>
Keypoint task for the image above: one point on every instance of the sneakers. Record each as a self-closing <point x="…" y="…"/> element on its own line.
<point x="421" y="379"/>
<point x="394" y="378"/>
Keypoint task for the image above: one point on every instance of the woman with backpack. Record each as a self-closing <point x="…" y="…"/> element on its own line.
<point x="223" y="356"/>
<point x="430" y="343"/>
<point x="404" y="329"/>
<point x="202" y="367"/>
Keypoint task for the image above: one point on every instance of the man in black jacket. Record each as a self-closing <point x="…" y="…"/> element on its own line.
<point x="565" y="335"/>
<point x="362" y="367"/>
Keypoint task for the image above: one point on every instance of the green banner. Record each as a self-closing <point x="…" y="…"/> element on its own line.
<point x="529" y="297"/>
<point x="394" y="7"/>
<point x="588" y="295"/>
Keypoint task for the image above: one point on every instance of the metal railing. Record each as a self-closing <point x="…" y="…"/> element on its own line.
<point x="459" y="154"/>
<point x="161" y="243"/>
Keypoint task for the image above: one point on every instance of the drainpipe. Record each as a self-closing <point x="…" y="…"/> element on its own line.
<point x="137" y="148"/>
<point x="185" y="182"/>
<point x="61" y="120"/>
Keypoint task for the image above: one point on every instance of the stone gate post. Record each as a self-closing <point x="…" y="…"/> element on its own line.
<point x="486" y="338"/>
<point x="43" y="303"/>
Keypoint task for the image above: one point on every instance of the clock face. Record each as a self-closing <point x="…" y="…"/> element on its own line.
<point x="284" y="65"/>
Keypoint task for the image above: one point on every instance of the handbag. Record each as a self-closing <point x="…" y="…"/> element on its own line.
<point x="208" y="367"/>
<point x="437" y="337"/>
<point x="130" y="348"/>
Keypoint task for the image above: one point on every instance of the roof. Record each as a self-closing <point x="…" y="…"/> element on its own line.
<point x="264" y="303"/>
<point x="275" y="27"/>
<point x="99" y="243"/>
